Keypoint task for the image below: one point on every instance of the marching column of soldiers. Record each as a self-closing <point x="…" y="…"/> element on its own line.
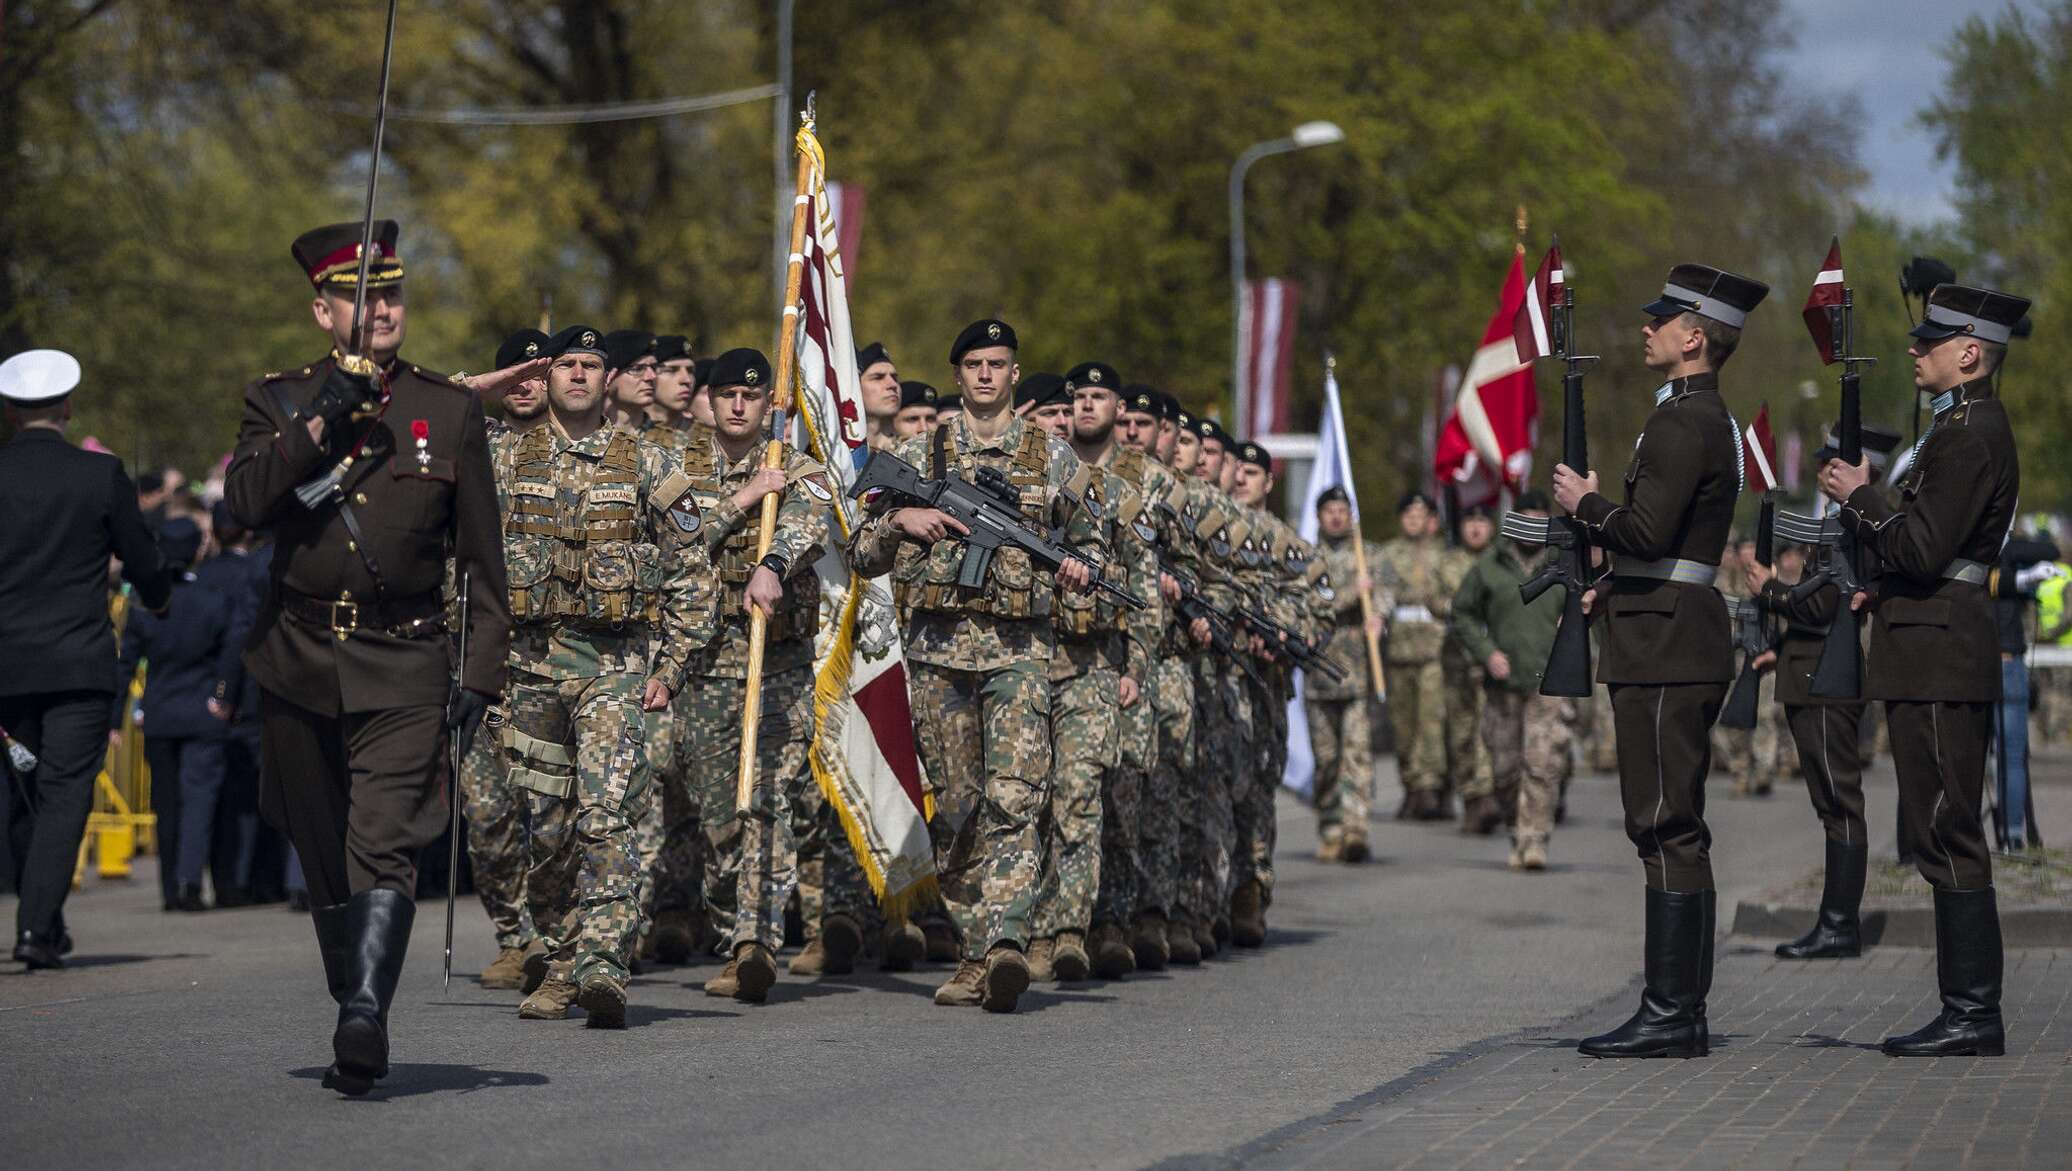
<point x="1102" y="733"/>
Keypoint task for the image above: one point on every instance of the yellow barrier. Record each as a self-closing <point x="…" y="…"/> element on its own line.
<point x="121" y="824"/>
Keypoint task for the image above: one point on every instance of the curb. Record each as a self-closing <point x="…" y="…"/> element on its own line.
<point x="2039" y="927"/>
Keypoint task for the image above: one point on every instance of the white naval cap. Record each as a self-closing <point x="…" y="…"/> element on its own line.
<point x="35" y="377"/>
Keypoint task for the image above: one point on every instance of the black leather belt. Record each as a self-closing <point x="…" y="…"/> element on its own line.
<point x="401" y="617"/>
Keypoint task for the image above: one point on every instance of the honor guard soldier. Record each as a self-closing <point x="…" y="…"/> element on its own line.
<point x="369" y="472"/>
<point x="1827" y="732"/>
<point x="67" y="512"/>
<point x="751" y="857"/>
<point x="980" y="659"/>
<point x="1667" y="653"/>
<point x="610" y="595"/>
<point x="1933" y="608"/>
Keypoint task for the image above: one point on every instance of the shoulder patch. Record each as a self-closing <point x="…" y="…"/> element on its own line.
<point x="815" y="485"/>
<point x="684" y="513"/>
<point x="673" y="486"/>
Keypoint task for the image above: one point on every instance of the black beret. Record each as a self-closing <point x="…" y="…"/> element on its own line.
<point x="741" y="367"/>
<point x="1216" y="432"/>
<point x="330" y="256"/>
<point x="981" y="334"/>
<point x="1708" y="292"/>
<point x="1482" y="510"/>
<point x="522" y="346"/>
<point x="624" y="347"/>
<point x="576" y="339"/>
<point x="870" y="356"/>
<point x="672" y="347"/>
<point x="701" y="370"/>
<point x="916" y="394"/>
<point x="945" y="403"/>
<point x="1414" y="496"/>
<point x="1039" y="389"/>
<point x="1333" y="494"/>
<point x="1184" y="417"/>
<point x="179" y="539"/>
<point x="1251" y="453"/>
<point x="1140" y="399"/>
<point x="1168" y="407"/>
<point x="1099" y="374"/>
<point x="1532" y="500"/>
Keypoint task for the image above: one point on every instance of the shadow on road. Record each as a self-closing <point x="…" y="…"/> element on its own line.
<point x="109" y="961"/>
<point x="412" y="1080"/>
<point x="1823" y="1041"/>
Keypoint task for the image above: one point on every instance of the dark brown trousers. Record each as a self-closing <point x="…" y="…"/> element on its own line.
<point x="1665" y="751"/>
<point x="1939" y="752"/>
<point x="1831" y="758"/>
<point x="359" y="794"/>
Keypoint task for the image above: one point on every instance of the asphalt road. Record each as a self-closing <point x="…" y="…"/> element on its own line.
<point x="196" y="1041"/>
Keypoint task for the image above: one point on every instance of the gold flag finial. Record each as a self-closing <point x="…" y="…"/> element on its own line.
<point x="808" y="116"/>
<point x="1520" y="222"/>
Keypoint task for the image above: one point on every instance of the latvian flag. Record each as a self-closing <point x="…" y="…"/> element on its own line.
<point x="1533" y="329"/>
<point x="1759" y="452"/>
<point x="1827" y="292"/>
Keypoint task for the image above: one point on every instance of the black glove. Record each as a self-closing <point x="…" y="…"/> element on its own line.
<point x="341" y="395"/>
<point x="464" y="714"/>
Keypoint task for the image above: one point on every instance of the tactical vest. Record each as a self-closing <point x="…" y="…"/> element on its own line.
<point x="1015" y="587"/>
<point x="1094" y="615"/>
<point x="590" y="567"/>
<point x="798" y="613"/>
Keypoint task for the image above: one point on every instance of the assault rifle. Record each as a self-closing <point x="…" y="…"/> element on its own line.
<point x="1751" y="632"/>
<point x="990" y="508"/>
<point x="1193" y="605"/>
<point x="1282" y="641"/>
<point x="1840" y="672"/>
<point x="1568" y="664"/>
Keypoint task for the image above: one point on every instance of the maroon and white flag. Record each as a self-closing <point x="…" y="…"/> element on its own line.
<point x="1827" y="291"/>
<point x="845" y="204"/>
<point x="1533" y="329"/>
<point x="1759" y="452"/>
<point x="1269" y="355"/>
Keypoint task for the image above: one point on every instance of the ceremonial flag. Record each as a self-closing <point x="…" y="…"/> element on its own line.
<point x="1759" y="452"/>
<point x="1485" y="444"/>
<point x="862" y="754"/>
<point x="1269" y="353"/>
<point x="1333" y="469"/>
<point x="845" y="201"/>
<point x="1827" y="291"/>
<point x="1533" y="328"/>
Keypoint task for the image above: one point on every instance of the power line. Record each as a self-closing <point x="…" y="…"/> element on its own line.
<point x="570" y="115"/>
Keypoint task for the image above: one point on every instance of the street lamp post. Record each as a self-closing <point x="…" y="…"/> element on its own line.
<point x="1306" y="135"/>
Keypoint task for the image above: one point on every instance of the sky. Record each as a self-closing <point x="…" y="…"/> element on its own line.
<point x="1887" y="54"/>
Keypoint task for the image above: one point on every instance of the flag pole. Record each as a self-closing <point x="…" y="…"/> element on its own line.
<point x="1374" y="675"/>
<point x="773" y="457"/>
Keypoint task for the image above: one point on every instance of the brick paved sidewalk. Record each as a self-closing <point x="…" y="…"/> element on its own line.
<point x="1794" y="1079"/>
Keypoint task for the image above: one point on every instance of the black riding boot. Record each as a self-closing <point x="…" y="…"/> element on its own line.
<point x="1708" y="907"/>
<point x="1668" y="1024"/>
<point x="378" y="924"/>
<point x="1967" y="967"/>
<point x="1835" y="933"/>
<point x="335" y="941"/>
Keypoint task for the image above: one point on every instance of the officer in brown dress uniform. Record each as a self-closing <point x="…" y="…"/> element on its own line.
<point x="368" y="482"/>
<point x="1828" y="733"/>
<point x="1667" y="654"/>
<point x="1935" y="651"/>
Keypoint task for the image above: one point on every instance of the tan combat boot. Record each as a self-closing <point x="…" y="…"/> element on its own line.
<point x="942" y="942"/>
<point x="842" y="938"/>
<point x="901" y="947"/>
<point x="1355" y="849"/>
<point x="603" y="1001"/>
<point x="550" y="1001"/>
<point x="1039" y="960"/>
<point x="1112" y="956"/>
<point x="1006" y="977"/>
<point x="755" y="969"/>
<point x="1481" y="816"/>
<point x="1533" y="855"/>
<point x="672" y="938"/>
<point x="811" y="960"/>
<point x="1330" y="844"/>
<point x="1148" y="942"/>
<point x="507" y="970"/>
<point x="534" y="966"/>
<point x="1181" y="945"/>
<point x="1248" y="916"/>
<point x="1069" y="960"/>
<point x="962" y="990"/>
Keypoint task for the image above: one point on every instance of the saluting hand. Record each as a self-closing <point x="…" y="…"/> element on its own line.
<point x="763" y="482"/>
<point x="1571" y="486"/>
<point x="493" y="384"/>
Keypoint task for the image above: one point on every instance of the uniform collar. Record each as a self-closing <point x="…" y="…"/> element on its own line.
<point x="1950" y="399"/>
<point x="1009" y="439"/>
<point x="1690" y="384"/>
<point x="591" y="445"/>
<point x="42" y="434"/>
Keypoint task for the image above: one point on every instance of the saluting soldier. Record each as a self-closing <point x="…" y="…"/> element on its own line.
<point x="980" y="660"/>
<point x="610" y="595"/>
<point x="1827" y="732"/>
<point x="1933" y="607"/>
<point x="370" y="472"/>
<point x="1667" y="654"/>
<point x="67" y="512"/>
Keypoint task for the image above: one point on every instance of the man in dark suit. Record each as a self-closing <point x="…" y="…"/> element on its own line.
<point x="248" y="860"/>
<point x="67" y="512"/>
<point x="182" y="741"/>
<point x="369" y="472"/>
<point x="1935" y="645"/>
<point x="1668" y="655"/>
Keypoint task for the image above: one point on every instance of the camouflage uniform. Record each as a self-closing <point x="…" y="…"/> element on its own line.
<point x="1467" y="757"/>
<point x="1221" y="713"/>
<point x="493" y="809"/>
<point x="1280" y="582"/>
<point x="751" y="857"/>
<point x="607" y="591"/>
<point x="1406" y="573"/>
<point x="981" y="687"/>
<point x="1340" y="740"/>
<point x="1168" y="705"/>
